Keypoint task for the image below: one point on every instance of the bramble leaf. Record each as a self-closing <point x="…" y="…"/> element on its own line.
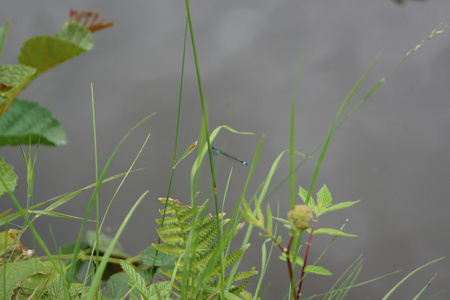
<point x="45" y="52"/>
<point x="8" y="176"/>
<point x="27" y="122"/>
<point x="13" y="79"/>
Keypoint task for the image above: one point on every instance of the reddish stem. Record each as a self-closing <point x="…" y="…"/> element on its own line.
<point x="286" y="251"/>
<point x="288" y="261"/>
<point x="306" y="259"/>
<point x="274" y="240"/>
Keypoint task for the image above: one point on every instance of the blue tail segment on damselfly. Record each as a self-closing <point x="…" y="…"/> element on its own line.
<point x="227" y="155"/>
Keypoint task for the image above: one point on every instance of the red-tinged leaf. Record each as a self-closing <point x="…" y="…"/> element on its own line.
<point x="13" y="78"/>
<point x="90" y="20"/>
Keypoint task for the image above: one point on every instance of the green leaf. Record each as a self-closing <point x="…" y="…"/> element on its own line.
<point x="104" y="243"/>
<point x="340" y="206"/>
<point x="18" y="272"/>
<point x="279" y="239"/>
<point x="3" y="34"/>
<point x="331" y="231"/>
<point x="269" y="220"/>
<point x="248" y="215"/>
<point x="309" y="269"/>
<point x="8" y="176"/>
<point x="305" y="196"/>
<point x="317" y="270"/>
<point x="163" y="259"/>
<point x="25" y="122"/>
<point x="153" y="292"/>
<point x="6" y="212"/>
<point x="324" y="198"/>
<point x="45" y="52"/>
<point x="34" y="282"/>
<point x="76" y="34"/>
<point x="259" y="214"/>
<point x="136" y="280"/>
<point x="298" y="260"/>
<point x="13" y="78"/>
<point x="117" y="285"/>
<point x="281" y="220"/>
<point x="160" y="289"/>
<point x="186" y="153"/>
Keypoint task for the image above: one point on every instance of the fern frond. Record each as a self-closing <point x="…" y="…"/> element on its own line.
<point x="192" y="236"/>
<point x="169" y="249"/>
<point x="136" y="280"/>
<point x="245" y="276"/>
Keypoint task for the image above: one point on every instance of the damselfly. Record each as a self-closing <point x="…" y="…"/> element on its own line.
<point x="217" y="150"/>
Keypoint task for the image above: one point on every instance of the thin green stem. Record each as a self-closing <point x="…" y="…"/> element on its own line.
<point x="206" y="130"/>
<point x="71" y="272"/>
<point x="176" y="137"/>
<point x="97" y="205"/>
<point x="292" y="137"/>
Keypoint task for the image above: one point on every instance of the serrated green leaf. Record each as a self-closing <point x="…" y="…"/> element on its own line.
<point x="305" y="196"/>
<point x="324" y="198"/>
<point x="331" y="231"/>
<point x="136" y="279"/>
<point x="117" y="285"/>
<point x="8" y="176"/>
<point x="317" y="270"/>
<point x="26" y="118"/>
<point x="46" y="52"/>
<point x="16" y="78"/>
<point x="3" y="34"/>
<point x="340" y="206"/>
<point x="160" y="289"/>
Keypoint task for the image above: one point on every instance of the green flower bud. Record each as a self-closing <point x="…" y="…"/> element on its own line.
<point x="299" y="217"/>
